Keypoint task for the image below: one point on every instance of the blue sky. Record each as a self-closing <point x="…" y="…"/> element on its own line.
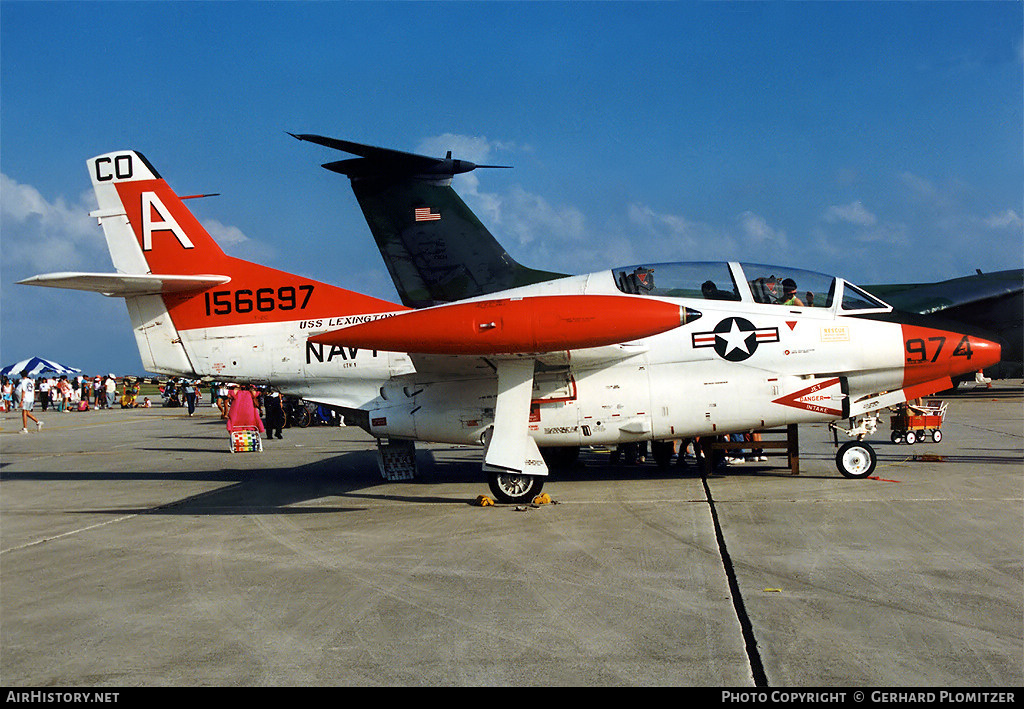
<point x="878" y="141"/>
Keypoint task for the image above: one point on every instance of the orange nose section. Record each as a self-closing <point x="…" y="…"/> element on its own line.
<point x="937" y="354"/>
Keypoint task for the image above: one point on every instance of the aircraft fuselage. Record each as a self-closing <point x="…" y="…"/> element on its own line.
<point x="740" y="366"/>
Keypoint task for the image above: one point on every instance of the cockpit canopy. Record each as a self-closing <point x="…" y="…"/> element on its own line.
<point x="746" y="282"/>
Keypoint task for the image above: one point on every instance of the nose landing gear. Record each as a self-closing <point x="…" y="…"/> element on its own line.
<point x="856" y="459"/>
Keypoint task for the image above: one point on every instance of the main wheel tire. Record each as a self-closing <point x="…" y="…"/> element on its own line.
<point x="856" y="460"/>
<point x="896" y="437"/>
<point x="911" y="438"/>
<point x="936" y="435"/>
<point x="515" y="488"/>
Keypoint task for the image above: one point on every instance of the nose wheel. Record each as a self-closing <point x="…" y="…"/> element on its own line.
<point x="856" y="459"/>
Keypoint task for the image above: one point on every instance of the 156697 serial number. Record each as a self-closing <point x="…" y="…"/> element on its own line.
<point x="261" y="300"/>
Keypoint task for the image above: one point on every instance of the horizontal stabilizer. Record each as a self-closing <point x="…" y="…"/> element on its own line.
<point x="374" y="161"/>
<point x="121" y="285"/>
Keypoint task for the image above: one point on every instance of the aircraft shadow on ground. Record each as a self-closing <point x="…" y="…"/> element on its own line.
<point x="595" y="466"/>
<point x="354" y="476"/>
<point x="273" y="490"/>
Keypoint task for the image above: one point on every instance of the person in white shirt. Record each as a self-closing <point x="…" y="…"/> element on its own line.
<point x="25" y="395"/>
<point x="111" y="388"/>
<point x="44" y="392"/>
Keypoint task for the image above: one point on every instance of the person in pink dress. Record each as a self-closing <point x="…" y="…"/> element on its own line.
<point x="243" y="411"/>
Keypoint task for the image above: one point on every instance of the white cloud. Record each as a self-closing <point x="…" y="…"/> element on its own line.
<point x="55" y="235"/>
<point x="476" y="149"/>
<point x="528" y="217"/>
<point x="852" y="234"/>
<point x="756" y="230"/>
<point x="39" y="234"/>
<point x="662" y="224"/>
<point x="235" y="243"/>
<point x="854" y="213"/>
<point x="225" y="236"/>
<point x="1008" y="219"/>
<point x="919" y="186"/>
<point x="674" y="234"/>
<point x="890" y="233"/>
<point x="677" y="238"/>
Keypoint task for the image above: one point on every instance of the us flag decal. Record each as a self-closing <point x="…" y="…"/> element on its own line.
<point x="423" y="214"/>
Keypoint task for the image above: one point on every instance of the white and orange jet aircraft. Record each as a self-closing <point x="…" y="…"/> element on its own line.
<point x="648" y="352"/>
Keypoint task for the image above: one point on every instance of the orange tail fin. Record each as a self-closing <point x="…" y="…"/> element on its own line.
<point x="149" y="230"/>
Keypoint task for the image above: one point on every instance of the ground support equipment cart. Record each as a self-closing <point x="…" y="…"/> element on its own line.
<point x="915" y="422"/>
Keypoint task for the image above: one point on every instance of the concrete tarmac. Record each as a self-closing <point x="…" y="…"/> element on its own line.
<point x="136" y="550"/>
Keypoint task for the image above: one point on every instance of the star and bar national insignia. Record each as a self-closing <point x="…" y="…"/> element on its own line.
<point x="735" y="339"/>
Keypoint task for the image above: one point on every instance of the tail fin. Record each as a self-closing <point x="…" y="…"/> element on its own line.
<point x="141" y="215"/>
<point x="435" y="248"/>
<point x="175" y="278"/>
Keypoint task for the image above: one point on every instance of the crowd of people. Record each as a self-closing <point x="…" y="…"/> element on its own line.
<point x="240" y="405"/>
<point x="65" y="394"/>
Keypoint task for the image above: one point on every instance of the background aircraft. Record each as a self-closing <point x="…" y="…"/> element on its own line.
<point x="988" y="304"/>
<point x="435" y="261"/>
<point x="647" y="352"/>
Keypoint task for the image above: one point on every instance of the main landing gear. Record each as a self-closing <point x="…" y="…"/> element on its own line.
<point x="515" y="488"/>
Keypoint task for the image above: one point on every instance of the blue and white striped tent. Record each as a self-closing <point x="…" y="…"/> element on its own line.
<point x="36" y="366"/>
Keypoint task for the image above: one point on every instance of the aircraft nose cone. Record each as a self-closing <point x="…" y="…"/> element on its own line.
<point x="986" y="353"/>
